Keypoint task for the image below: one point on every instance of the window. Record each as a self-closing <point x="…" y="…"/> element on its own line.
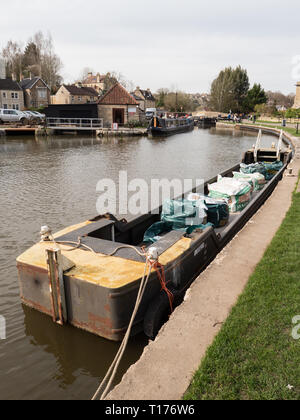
<point x="79" y="98"/>
<point x="14" y="95"/>
<point x="42" y="93"/>
<point x="16" y="106"/>
<point x="5" y="106"/>
<point x="4" y="95"/>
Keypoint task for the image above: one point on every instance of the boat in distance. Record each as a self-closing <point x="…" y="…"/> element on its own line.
<point x="98" y="285"/>
<point x="160" y="127"/>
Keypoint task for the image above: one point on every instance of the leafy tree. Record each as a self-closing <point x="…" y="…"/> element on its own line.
<point x="292" y="113"/>
<point x="240" y="88"/>
<point x="229" y="90"/>
<point x="255" y="96"/>
<point x="160" y="97"/>
<point x="31" y="56"/>
<point x="221" y="95"/>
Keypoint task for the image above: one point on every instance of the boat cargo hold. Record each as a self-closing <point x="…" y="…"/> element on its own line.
<point x="89" y="275"/>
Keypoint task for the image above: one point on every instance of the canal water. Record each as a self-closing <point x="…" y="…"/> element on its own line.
<point x="53" y="181"/>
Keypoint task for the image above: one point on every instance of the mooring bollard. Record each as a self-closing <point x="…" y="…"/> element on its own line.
<point x="56" y="284"/>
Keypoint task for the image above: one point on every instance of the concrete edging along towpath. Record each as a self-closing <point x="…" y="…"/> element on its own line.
<point x="166" y="368"/>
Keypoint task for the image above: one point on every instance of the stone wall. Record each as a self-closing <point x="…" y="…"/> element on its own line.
<point x="63" y="97"/>
<point x="32" y="96"/>
<point x="106" y="113"/>
<point x="11" y="103"/>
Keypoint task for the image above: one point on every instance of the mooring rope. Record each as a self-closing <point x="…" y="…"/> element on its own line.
<point x="80" y="244"/>
<point x="150" y="264"/>
<point x="112" y="371"/>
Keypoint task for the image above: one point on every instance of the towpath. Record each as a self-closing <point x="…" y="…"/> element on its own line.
<point x="167" y="366"/>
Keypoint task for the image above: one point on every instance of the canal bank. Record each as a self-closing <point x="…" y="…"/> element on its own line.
<point x="181" y="345"/>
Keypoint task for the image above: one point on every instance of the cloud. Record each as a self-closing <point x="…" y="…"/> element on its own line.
<point x="164" y="43"/>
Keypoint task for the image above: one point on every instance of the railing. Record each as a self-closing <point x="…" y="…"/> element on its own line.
<point x="279" y="146"/>
<point x="257" y="146"/>
<point x="69" y="123"/>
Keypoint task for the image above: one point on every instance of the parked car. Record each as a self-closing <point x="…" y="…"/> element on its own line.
<point x="150" y="112"/>
<point x="12" y="115"/>
<point x="29" y="115"/>
<point x="42" y="117"/>
<point x="34" y="117"/>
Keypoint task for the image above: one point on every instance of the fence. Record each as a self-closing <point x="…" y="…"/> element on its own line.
<point x="75" y="123"/>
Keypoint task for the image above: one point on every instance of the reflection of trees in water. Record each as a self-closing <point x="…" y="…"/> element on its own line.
<point x="77" y="352"/>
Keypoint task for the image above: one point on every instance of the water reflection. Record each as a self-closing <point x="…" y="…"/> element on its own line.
<point x="76" y="350"/>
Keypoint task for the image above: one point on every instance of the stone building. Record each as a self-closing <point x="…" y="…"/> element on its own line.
<point x="36" y="93"/>
<point x="11" y="95"/>
<point x="95" y="82"/>
<point x="297" y="98"/>
<point x="144" y="98"/>
<point x="74" y="94"/>
<point x="118" y="106"/>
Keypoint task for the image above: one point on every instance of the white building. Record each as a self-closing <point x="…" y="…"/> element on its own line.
<point x="2" y="69"/>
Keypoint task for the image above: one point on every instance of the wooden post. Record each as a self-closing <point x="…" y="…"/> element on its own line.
<point x="57" y="287"/>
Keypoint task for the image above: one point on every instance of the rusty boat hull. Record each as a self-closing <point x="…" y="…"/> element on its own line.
<point x="100" y="290"/>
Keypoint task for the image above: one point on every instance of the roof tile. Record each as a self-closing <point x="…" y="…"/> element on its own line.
<point x="117" y="95"/>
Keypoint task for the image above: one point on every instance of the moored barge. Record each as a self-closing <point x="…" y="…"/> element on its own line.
<point x="93" y="279"/>
<point x="159" y="127"/>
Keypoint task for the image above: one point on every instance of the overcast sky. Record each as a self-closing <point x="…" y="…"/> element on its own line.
<point x="166" y="43"/>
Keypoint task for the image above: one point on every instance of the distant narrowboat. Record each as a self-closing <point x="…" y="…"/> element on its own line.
<point x="170" y="126"/>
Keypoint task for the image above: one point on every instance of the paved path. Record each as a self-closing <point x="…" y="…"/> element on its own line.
<point x="167" y="365"/>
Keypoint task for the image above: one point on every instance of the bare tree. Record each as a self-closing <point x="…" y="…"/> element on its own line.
<point x="278" y="98"/>
<point x="84" y="73"/>
<point x="13" y="56"/>
<point x="114" y="77"/>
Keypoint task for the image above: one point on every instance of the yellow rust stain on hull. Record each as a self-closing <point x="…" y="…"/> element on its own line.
<point x="105" y="271"/>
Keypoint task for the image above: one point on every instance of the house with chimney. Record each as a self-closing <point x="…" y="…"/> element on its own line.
<point x="118" y="106"/>
<point x="75" y="94"/>
<point x="11" y="95"/>
<point x="144" y="98"/>
<point x="36" y="92"/>
<point x="95" y="82"/>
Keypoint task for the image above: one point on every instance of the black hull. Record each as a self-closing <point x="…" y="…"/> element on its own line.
<point x="169" y="131"/>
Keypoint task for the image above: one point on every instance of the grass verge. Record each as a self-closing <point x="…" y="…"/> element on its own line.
<point x="269" y="124"/>
<point x="255" y="357"/>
